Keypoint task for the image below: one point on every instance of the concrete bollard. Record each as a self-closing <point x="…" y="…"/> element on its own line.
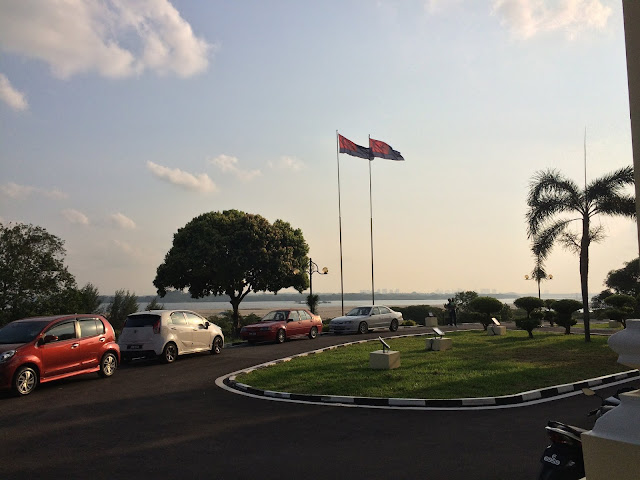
<point x="439" y="344"/>
<point x="496" y="330"/>
<point x="381" y="360"/>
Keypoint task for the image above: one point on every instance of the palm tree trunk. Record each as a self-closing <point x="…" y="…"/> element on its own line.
<point x="584" y="276"/>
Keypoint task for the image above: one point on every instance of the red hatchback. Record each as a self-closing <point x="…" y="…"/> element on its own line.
<point x="42" y="349"/>
<point x="278" y="325"/>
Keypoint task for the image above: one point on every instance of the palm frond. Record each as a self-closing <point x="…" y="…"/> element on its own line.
<point x="623" y="205"/>
<point x="544" y="240"/>
<point x="549" y="195"/>
<point x="570" y="241"/>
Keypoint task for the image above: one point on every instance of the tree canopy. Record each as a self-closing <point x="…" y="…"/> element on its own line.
<point x="233" y="253"/>
<point x="32" y="271"/>
<point x="564" y="309"/>
<point x="555" y="202"/>
<point x="486" y="306"/>
<point x="528" y="304"/>
<point x="625" y="280"/>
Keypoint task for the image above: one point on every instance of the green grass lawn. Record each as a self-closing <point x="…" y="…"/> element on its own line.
<point x="478" y="365"/>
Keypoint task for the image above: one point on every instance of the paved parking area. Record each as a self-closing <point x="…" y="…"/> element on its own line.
<point x="171" y="421"/>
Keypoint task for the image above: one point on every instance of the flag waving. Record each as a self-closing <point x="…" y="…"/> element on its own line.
<point x="383" y="150"/>
<point x="350" y="148"/>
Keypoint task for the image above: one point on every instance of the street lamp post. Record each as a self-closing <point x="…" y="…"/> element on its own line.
<point x="313" y="268"/>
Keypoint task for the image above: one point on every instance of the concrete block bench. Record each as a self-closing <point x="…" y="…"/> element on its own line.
<point x="496" y="330"/>
<point x="381" y="360"/>
<point x="439" y="344"/>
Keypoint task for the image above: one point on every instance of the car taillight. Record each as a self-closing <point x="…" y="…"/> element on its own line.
<point x="156" y="326"/>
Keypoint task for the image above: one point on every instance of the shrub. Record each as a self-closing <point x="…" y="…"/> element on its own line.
<point x="530" y="323"/>
<point x="225" y="321"/>
<point x="417" y="313"/>
<point x="487" y="306"/>
<point x="564" y="310"/>
<point x="409" y="323"/>
<point x="506" y="314"/>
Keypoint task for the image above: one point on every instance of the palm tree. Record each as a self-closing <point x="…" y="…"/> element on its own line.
<point x="555" y="202"/>
<point x="538" y="273"/>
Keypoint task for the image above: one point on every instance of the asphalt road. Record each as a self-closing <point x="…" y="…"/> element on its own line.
<point x="171" y="421"/>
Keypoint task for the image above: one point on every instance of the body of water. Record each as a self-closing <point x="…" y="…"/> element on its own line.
<point x="272" y="305"/>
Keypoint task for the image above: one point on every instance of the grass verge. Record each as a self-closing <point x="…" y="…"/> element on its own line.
<point x="478" y="365"/>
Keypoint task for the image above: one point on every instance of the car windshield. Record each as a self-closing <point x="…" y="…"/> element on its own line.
<point x="21" y="332"/>
<point x="275" y="316"/>
<point x="359" y="312"/>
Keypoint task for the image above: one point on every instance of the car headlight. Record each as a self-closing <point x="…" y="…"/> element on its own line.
<point x="265" y="329"/>
<point x="5" y="356"/>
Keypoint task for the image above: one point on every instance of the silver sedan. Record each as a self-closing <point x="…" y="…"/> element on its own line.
<point x="363" y="319"/>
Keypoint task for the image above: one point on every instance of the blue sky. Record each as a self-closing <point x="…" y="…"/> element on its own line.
<point x="120" y="121"/>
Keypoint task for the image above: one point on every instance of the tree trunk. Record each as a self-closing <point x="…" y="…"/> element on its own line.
<point x="235" y="305"/>
<point x="584" y="276"/>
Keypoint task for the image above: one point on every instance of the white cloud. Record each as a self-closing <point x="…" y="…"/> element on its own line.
<point x="228" y="164"/>
<point x="122" y="221"/>
<point x="526" y="18"/>
<point x="201" y="183"/>
<point x="14" y="190"/>
<point x="287" y="163"/>
<point x="124" y="247"/>
<point x="115" y="38"/>
<point x="11" y="96"/>
<point x="75" y="217"/>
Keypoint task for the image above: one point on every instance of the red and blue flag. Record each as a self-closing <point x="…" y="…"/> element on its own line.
<point x="383" y="150"/>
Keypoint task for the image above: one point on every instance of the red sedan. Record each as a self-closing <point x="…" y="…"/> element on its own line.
<point x="278" y="325"/>
<point x="42" y="349"/>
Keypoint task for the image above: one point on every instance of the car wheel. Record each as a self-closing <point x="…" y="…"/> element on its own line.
<point x="170" y="353"/>
<point x="363" y="327"/>
<point x="313" y="333"/>
<point x="25" y="380"/>
<point x="281" y="336"/>
<point x="394" y="325"/>
<point x="216" y="347"/>
<point x="108" y="365"/>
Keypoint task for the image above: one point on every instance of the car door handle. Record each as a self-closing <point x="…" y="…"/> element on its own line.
<point x="75" y="345"/>
<point x="102" y="339"/>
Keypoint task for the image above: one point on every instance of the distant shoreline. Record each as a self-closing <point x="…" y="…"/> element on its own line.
<point x="180" y="297"/>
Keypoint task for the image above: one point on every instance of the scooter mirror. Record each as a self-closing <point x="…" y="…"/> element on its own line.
<point x="588" y="392"/>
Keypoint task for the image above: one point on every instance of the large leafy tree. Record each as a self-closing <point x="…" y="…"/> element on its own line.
<point x="556" y="202"/>
<point x="234" y="253"/>
<point x="32" y="271"/>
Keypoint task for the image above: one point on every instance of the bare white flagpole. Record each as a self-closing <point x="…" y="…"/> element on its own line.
<point x="373" y="295"/>
<point x="340" y="222"/>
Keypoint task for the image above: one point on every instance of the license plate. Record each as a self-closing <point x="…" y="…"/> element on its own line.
<point x="134" y="347"/>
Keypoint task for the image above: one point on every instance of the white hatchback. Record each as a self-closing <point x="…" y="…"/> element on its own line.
<point x="167" y="334"/>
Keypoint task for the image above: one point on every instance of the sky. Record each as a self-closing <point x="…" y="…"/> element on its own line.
<point x="120" y="121"/>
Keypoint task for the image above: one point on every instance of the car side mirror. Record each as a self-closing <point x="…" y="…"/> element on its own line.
<point x="49" y="339"/>
<point x="206" y="325"/>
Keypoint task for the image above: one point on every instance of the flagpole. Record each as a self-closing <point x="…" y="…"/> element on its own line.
<point x="373" y="295"/>
<point x="340" y="222"/>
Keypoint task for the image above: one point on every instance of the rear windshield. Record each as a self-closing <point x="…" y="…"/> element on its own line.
<point x="144" y="320"/>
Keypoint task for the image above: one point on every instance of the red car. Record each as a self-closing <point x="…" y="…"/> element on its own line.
<point x="278" y="325"/>
<point x="42" y="349"/>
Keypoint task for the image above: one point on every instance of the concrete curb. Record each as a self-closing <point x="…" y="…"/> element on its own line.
<point x="228" y="382"/>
